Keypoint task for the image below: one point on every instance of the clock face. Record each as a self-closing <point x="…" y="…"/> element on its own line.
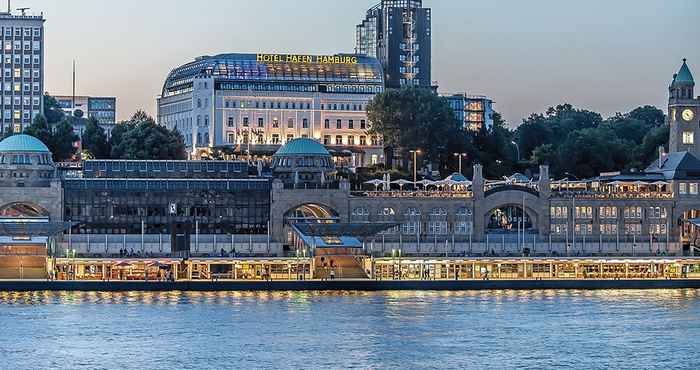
<point x="688" y="115"/>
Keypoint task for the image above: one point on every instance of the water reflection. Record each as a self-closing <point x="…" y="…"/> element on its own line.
<point x="670" y="298"/>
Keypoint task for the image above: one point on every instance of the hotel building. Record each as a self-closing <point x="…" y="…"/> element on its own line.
<point x="254" y="103"/>
<point x="22" y="84"/>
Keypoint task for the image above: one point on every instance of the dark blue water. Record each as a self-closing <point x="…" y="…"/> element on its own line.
<point x="393" y="330"/>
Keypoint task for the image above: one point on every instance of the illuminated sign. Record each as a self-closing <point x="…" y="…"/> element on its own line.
<point x="309" y="59"/>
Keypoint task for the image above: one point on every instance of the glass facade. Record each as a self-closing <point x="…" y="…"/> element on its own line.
<point x="122" y="206"/>
<point x="165" y="169"/>
<point x="297" y="76"/>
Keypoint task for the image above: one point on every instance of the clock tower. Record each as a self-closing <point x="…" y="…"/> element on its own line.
<point x="684" y="113"/>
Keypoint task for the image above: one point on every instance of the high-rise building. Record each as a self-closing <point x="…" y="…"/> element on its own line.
<point x="472" y="111"/>
<point x="683" y="113"/>
<point x="398" y="33"/>
<point x="22" y="69"/>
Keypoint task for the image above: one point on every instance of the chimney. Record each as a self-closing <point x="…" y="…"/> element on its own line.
<point x="662" y="156"/>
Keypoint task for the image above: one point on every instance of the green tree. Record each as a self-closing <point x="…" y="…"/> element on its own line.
<point x="95" y="141"/>
<point x="52" y="110"/>
<point x="142" y="138"/>
<point x="40" y="129"/>
<point x="413" y="118"/>
<point x="62" y="141"/>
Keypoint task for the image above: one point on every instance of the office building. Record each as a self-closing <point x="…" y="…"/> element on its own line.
<point x="473" y="111"/>
<point x="104" y="109"/>
<point x="22" y="86"/>
<point x="398" y="33"/>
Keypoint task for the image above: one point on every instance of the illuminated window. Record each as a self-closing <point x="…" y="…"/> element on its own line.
<point x="688" y="137"/>
<point x="693" y="188"/>
<point x="682" y="188"/>
<point x="18" y="72"/>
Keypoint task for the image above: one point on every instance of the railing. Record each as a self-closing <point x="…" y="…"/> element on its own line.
<point x="413" y="194"/>
<point x="501" y="188"/>
<point x="602" y="195"/>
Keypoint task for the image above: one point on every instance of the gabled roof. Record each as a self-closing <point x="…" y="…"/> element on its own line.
<point x="677" y="166"/>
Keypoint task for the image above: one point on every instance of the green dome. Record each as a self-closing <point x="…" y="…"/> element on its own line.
<point x="22" y="143"/>
<point x="684" y="75"/>
<point x="303" y="146"/>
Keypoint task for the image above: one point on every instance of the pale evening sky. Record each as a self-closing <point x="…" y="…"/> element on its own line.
<point x="603" y="55"/>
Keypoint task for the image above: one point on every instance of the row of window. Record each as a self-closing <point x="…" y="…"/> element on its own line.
<point x="17" y="59"/>
<point x="21" y="87"/>
<point x="21" y="73"/>
<point x="688" y="188"/>
<point x="19" y="32"/>
<point x="374" y="141"/>
<point x="388" y="211"/>
<point x="21" y="100"/>
<point x="431" y="228"/>
<point x="286" y="105"/>
<point x="231" y="122"/>
<point x="17" y="114"/>
<point x="608" y="229"/>
<point x="607" y="212"/>
<point x="19" y="45"/>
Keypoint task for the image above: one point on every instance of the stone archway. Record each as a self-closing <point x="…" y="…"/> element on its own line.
<point x="511" y="198"/>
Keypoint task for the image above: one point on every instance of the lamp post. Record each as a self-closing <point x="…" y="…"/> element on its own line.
<point x="517" y="148"/>
<point x="415" y="155"/>
<point x="460" y="156"/>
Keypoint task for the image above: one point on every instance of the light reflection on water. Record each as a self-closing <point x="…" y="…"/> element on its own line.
<point x="403" y="329"/>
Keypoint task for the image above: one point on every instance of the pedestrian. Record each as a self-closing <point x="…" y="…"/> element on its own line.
<point x="332" y="274"/>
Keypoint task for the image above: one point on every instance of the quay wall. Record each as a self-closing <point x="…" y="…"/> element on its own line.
<point x="336" y="285"/>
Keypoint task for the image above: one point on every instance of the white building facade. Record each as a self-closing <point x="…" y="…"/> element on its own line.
<point x="254" y="103"/>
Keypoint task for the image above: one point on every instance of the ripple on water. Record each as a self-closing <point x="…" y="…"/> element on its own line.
<point x="424" y="329"/>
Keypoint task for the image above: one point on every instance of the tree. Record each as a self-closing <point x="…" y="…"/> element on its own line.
<point x="648" y="114"/>
<point x="142" y="138"/>
<point x="413" y="118"/>
<point x="62" y="141"/>
<point x="40" y="129"/>
<point x="52" y="110"/>
<point x="95" y="140"/>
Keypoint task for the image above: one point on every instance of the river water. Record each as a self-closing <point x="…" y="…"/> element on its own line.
<point x="392" y="330"/>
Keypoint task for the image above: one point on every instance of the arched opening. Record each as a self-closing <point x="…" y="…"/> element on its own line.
<point x="508" y="219"/>
<point x="23" y="210"/>
<point x="308" y="213"/>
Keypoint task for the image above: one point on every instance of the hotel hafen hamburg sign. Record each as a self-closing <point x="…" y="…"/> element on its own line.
<point x="308" y="59"/>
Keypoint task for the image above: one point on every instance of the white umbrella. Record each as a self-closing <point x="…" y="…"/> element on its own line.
<point x="375" y="182"/>
<point x="401" y="183"/>
<point x="425" y="182"/>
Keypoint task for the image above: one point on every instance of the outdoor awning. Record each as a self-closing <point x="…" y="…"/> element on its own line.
<point x="343" y="229"/>
<point x="32" y="229"/>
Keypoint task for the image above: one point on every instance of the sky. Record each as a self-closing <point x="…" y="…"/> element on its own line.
<point x="603" y="55"/>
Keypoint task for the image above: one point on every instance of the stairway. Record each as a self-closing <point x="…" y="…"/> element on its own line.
<point x="345" y="267"/>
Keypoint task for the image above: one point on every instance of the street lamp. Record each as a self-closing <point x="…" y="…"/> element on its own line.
<point x="415" y="154"/>
<point x="517" y="148"/>
<point x="460" y="156"/>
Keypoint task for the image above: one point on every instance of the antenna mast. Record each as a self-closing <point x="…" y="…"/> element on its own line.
<point x="73" y="85"/>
